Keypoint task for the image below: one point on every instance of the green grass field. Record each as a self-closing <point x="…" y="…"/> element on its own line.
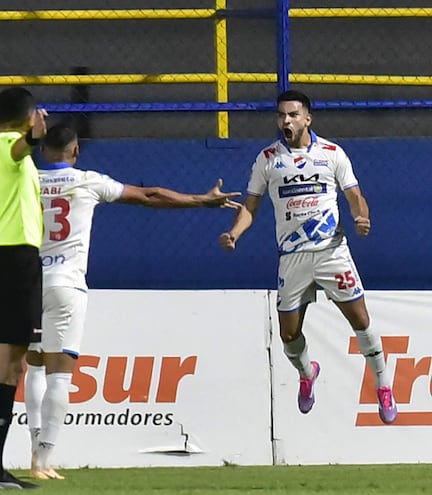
<point x="401" y="479"/>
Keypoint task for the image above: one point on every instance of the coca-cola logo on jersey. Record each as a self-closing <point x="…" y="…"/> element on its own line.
<point x="307" y="202"/>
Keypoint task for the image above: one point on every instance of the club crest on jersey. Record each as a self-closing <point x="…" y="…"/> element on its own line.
<point x="300" y="162"/>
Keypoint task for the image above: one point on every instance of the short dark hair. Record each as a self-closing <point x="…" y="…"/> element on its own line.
<point x="16" y="104"/>
<point x="59" y="136"/>
<point x="292" y="95"/>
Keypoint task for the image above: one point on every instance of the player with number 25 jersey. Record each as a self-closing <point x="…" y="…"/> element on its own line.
<point x="303" y="186"/>
<point x="303" y="174"/>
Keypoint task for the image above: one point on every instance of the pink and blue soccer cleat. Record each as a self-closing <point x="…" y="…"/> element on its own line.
<point x="306" y="395"/>
<point x="387" y="407"/>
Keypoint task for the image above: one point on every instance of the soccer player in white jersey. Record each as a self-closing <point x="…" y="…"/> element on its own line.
<point x="69" y="196"/>
<point x="303" y="173"/>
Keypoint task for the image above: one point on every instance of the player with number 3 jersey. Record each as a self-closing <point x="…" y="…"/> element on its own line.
<point x="69" y="197"/>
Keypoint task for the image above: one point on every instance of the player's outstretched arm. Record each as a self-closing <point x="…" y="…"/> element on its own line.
<point x="244" y="219"/>
<point x="159" y="197"/>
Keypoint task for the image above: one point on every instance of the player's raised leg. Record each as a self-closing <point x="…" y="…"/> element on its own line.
<point x="296" y="350"/>
<point x="370" y="345"/>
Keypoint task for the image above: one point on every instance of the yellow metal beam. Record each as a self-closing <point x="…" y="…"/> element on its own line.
<point x="222" y="71"/>
<point x="252" y="77"/>
<point x="75" y="15"/>
<point x="108" y="79"/>
<point x="361" y="79"/>
<point x="232" y="77"/>
<point x="361" y="12"/>
<point x="90" y="15"/>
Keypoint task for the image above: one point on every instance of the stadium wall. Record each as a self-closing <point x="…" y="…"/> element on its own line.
<point x="135" y="248"/>
<point x="195" y="378"/>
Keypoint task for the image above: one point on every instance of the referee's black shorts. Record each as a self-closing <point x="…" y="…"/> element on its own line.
<point x="20" y="295"/>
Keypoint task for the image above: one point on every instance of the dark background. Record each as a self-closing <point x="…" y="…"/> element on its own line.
<point x="380" y="46"/>
<point x="141" y="248"/>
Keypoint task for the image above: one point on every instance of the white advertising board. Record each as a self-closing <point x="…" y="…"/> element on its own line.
<point x="344" y="427"/>
<point x="192" y="378"/>
<point x="166" y="379"/>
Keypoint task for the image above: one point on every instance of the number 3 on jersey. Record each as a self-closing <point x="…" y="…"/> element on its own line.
<point x="59" y="226"/>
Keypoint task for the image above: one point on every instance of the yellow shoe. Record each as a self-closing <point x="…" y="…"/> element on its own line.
<point x="38" y="474"/>
<point x="46" y="474"/>
<point x="53" y="474"/>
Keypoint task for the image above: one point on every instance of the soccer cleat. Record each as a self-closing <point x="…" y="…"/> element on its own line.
<point x="8" y="481"/>
<point x="43" y="473"/>
<point x="306" y="395"/>
<point x="387" y="407"/>
<point x="38" y="474"/>
<point x="46" y="474"/>
<point x="53" y="474"/>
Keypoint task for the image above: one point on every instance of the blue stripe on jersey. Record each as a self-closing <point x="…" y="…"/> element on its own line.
<point x="72" y="353"/>
<point x="315" y="229"/>
<point x="54" y="166"/>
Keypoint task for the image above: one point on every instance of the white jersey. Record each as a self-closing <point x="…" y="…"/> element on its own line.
<point x="303" y="186"/>
<point x="69" y="197"/>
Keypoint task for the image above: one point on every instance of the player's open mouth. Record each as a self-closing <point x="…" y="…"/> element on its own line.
<point x="288" y="133"/>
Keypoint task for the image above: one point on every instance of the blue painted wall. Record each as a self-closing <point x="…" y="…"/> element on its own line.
<point x="134" y="247"/>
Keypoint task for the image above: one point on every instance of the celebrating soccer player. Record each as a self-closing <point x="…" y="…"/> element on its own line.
<point x="69" y="196"/>
<point x="302" y="173"/>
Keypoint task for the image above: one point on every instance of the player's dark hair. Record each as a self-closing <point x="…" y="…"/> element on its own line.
<point x="16" y="104"/>
<point x="58" y="137"/>
<point x="292" y="95"/>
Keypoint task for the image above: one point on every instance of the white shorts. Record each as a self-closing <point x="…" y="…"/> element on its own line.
<point x="63" y="320"/>
<point x="300" y="274"/>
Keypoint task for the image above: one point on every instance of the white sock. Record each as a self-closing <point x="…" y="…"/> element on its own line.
<point x="297" y="353"/>
<point x="34" y="389"/>
<point x="370" y="346"/>
<point x="54" y="406"/>
<point x="34" y="438"/>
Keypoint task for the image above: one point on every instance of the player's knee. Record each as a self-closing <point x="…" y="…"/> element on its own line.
<point x="360" y="322"/>
<point x="14" y="373"/>
<point x="288" y="335"/>
<point x="34" y="358"/>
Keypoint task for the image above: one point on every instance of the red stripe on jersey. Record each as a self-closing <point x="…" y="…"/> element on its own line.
<point x="330" y="147"/>
<point x="269" y="151"/>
